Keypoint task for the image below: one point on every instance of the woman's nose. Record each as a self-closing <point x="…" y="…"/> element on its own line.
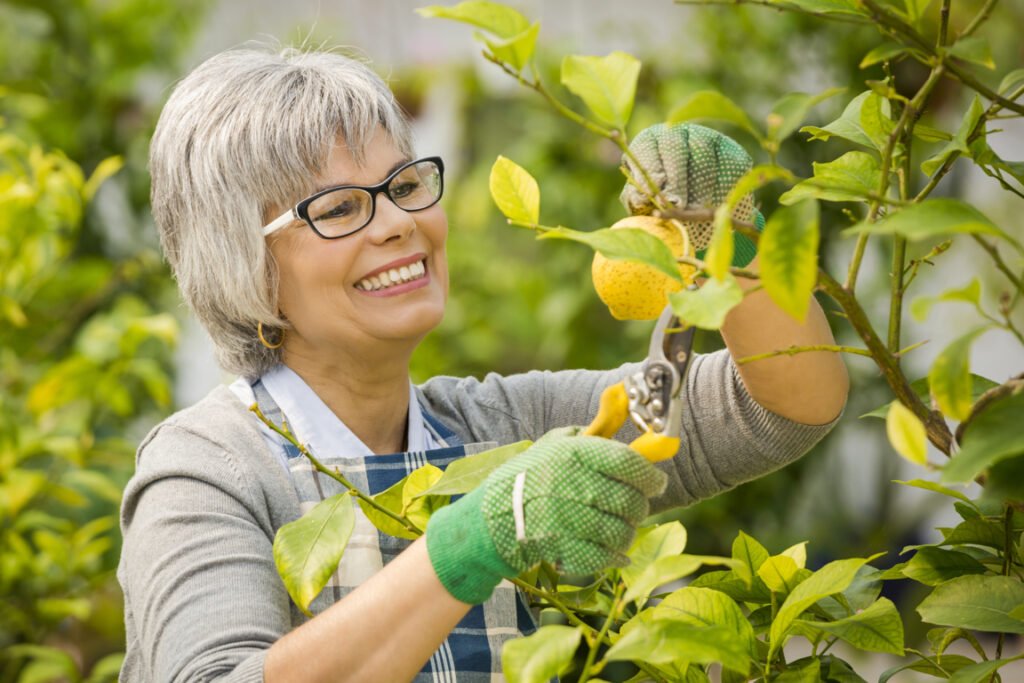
<point x="390" y="222"/>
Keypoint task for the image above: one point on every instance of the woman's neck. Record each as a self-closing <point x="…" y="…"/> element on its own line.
<point x="371" y="398"/>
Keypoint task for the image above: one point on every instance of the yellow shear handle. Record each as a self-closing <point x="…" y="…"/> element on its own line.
<point x="612" y="414"/>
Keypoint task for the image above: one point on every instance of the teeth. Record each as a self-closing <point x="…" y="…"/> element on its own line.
<point x="395" y="276"/>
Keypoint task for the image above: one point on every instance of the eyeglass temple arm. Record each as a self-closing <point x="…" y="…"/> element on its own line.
<point x="279" y="222"/>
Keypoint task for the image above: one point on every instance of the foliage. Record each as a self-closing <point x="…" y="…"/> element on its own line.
<point x="742" y="617"/>
<point x="84" y="348"/>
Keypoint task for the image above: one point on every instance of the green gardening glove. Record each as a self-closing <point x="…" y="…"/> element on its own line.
<point x="573" y="501"/>
<point x="695" y="167"/>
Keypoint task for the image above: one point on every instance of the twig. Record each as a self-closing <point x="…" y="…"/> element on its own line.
<point x="793" y="350"/>
<point x="979" y="19"/>
<point x="334" y="474"/>
<point x="1000" y="264"/>
<point x="592" y="654"/>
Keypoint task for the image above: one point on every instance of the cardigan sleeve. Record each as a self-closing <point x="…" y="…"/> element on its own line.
<point x="203" y="600"/>
<point x="727" y="437"/>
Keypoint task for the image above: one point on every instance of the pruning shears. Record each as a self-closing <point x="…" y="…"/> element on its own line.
<point x="652" y="396"/>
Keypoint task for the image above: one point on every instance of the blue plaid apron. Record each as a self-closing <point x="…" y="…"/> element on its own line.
<point x="472" y="651"/>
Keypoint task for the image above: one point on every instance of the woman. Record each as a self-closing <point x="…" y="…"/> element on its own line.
<point x="306" y="236"/>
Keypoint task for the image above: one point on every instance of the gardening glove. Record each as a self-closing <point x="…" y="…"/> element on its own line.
<point x="573" y="501"/>
<point x="695" y="167"/>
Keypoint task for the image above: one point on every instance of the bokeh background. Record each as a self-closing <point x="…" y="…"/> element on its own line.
<point x="95" y="346"/>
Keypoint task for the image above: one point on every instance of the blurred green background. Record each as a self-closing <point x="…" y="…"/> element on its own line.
<point x="95" y="347"/>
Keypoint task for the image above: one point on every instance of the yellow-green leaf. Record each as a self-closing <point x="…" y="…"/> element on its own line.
<point x="308" y="550"/>
<point x="501" y="20"/>
<point x="516" y="50"/>
<point x="974" y="49"/>
<point x="713" y="105"/>
<point x="949" y="379"/>
<point x="539" y="657"/>
<point x="515" y="191"/>
<point x="788" y="252"/>
<point x="707" y="306"/>
<point x="104" y="170"/>
<point x="606" y="84"/>
<point x="906" y="433"/>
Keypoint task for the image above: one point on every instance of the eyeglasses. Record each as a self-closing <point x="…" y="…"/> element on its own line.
<point x="340" y="211"/>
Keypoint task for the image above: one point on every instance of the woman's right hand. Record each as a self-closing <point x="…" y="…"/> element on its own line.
<point x="573" y="501"/>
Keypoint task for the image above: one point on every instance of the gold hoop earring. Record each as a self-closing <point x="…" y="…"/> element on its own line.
<point x="263" y="340"/>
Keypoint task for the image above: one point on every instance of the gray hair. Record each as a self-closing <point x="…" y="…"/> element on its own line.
<point x="248" y="130"/>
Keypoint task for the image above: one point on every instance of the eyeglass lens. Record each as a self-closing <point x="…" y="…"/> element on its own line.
<point x="346" y="210"/>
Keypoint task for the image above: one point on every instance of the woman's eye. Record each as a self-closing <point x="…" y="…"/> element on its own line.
<point x="342" y="210"/>
<point x="404" y="189"/>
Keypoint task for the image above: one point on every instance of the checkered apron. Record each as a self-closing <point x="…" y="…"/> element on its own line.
<point x="472" y="651"/>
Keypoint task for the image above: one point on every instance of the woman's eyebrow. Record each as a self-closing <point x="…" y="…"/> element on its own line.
<point x="394" y="167"/>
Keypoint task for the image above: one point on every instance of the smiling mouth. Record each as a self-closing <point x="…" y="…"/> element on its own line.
<point x="393" y="277"/>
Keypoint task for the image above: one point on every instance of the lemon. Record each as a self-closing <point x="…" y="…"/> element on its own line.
<point x="636" y="291"/>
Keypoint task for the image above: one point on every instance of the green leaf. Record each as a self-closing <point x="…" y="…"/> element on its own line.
<point x="949" y="664"/>
<point x="929" y="134"/>
<point x="826" y="7"/>
<point x="662" y="641"/>
<point x="707" y="307"/>
<point x="932" y="566"/>
<point x="883" y="52"/>
<point x="606" y="84"/>
<point x="407" y="497"/>
<point x="515" y="191"/>
<point x="848" y="126"/>
<point x="713" y="105"/>
<point x="834" y="577"/>
<point x="981" y="671"/>
<point x="465" y="474"/>
<point x="751" y="554"/>
<point x="950" y="377"/>
<point x="974" y="531"/>
<point x="658" y="573"/>
<point x="875" y="121"/>
<point x="875" y="629"/>
<point x="916" y="9"/>
<point x="788" y="251"/>
<point x="974" y="49"/>
<point x="707" y="607"/>
<point x="992" y="436"/>
<point x="629" y="244"/>
<point x="979" y="385"/>
<point x="791" y="109"/>
<point x="980" y="603"/>
<point x="650" y="545"/>
<point x="970" y="293"/>
<point x="807" y="670"/>
<point x="959" y="143"/>
<point x="539" y="657"/>
<point x="720" y="250"/>
<point x="516" y="50"/>
<point x="779" y="573"/>
<point x="728" y="583"/>
<point x="496" y="18"/>
<point x="931" y="218"/>
<point x="931" y="486"/>
<point x="308" y="550"/>
<point x="851" y="178"/>
<point x="906" y="433"/>
<point x="1011" y="81"/>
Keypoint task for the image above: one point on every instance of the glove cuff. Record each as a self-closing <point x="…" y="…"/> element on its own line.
<point x="462" y="552"/>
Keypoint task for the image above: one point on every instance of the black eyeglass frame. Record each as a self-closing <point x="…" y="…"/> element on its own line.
<point x="301" y="210"/>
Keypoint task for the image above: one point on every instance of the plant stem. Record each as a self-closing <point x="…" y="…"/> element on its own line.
<point x="855" y="260"/>
<point x="602" y="634"/>
<point x="1000" y="264"/>
<point x="793" y="350"/>
<point x="334" y="474"/>
<point x="943" y="23"/>
<point x="1007" y="561"/>
<point x="979" y="19"/>
<point x="938" y="431"/>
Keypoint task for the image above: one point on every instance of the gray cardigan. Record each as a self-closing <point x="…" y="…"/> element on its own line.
<point x="203" y="601"/>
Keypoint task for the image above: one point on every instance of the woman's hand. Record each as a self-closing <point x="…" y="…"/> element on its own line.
<point x="573" y="501"/>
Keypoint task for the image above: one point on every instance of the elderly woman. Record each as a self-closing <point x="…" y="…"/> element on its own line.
<point x="306" y="236"/>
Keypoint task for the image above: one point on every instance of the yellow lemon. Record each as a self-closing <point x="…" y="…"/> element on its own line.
<point x="636" y="291"/>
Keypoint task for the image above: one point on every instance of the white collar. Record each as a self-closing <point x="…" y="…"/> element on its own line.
<point x="315" y="425"/>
